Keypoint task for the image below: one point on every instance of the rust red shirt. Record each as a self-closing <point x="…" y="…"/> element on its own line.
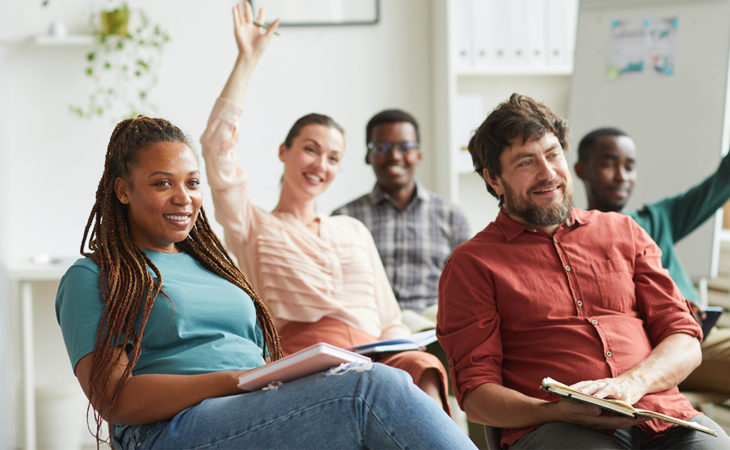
<point x="591" y="301"/>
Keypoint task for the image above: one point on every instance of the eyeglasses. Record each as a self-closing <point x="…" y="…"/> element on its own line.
<point x="384" y="147"/>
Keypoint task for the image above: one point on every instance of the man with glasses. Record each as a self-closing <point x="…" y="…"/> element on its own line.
<point x="415" y="230"/>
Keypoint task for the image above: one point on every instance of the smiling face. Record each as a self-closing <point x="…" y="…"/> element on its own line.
<point x="535" y="182"/>
<point x="610" y="172"/>
<point x="162" y="194"/>
<point x="312" y="161"/>
<point x="395" y="169"/>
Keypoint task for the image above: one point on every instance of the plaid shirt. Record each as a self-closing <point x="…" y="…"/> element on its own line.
<point x="414" y="243"/>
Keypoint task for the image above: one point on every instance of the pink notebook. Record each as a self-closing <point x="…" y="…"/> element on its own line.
<point x="317" y="358"/>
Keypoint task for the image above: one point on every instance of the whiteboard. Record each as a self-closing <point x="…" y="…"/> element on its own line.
<point x="678" y="121"/>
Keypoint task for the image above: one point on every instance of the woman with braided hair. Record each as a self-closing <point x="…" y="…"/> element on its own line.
<point x="159" y="323"/>
<point x="321" y="277"/>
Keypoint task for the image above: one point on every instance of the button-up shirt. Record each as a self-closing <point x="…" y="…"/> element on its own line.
<point x="589" y="302"/>
<point x="414" y="243"/>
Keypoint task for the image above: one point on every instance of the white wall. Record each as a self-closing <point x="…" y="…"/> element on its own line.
<point x="51" y="161"/>
<point x="54" y="160"/>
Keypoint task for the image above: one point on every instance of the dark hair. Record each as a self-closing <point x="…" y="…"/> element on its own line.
<point x="390" y="116"/>
<point x="131" y="135"/>
<point x="520" y="116"/>
<point x="585" y="147"/>
<point x="310" y="119"/>
<point x="128" y="289"/>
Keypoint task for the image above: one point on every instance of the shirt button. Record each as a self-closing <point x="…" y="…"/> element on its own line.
<point x="579" y="303"/>
<point x="594" y="322"/>
<point x="567" y="268"/>
<point x="608" y="354"/>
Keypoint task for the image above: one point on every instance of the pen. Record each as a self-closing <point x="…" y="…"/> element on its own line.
<point x="265" y="27"/>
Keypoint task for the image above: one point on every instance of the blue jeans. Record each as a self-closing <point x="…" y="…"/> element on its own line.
<point x="362" y="406"/>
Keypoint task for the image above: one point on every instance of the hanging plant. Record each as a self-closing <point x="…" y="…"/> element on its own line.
<point x="122" y="64"/>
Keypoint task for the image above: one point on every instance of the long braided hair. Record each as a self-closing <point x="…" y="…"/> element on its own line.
<point x="127" y="287"/>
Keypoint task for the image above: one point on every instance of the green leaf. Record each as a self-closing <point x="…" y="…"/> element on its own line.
<point x="142" y="63"/>
<point x="89" y="71"/>
<point x="107" y="65"/>
<point x="91" y="56"/>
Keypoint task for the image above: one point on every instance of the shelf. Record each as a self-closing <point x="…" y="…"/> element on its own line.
<point x="71" y="39"/>
<point x="47" y="40"/>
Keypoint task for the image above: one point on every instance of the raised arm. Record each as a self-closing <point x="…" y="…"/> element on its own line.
<point x="690" y="209"/>
<point x="226" y="179"/>
<point x="251" y="44"/>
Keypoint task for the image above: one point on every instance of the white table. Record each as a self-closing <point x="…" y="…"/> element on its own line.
<point x="22" y="276"/>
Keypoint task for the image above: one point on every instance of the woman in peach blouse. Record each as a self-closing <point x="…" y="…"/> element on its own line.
<point x="320" y="276"/>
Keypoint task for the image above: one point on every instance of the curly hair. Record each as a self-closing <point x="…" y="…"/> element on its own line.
<point x="519" y="117"/>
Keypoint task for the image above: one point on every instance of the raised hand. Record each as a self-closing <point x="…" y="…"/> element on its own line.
<point x="250" y="38"/>
<point x="251" y="42"/>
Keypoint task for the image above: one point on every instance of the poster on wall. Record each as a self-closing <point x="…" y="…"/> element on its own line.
<point x="642" y="47"/>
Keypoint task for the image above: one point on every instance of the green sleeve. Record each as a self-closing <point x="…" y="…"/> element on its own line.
<point x="690" y="209"/>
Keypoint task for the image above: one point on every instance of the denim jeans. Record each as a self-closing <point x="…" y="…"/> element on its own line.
<point x="354" y="406"/>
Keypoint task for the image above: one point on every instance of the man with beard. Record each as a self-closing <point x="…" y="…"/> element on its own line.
<point x="550" y="290"/>
<point x="607" y="166"/>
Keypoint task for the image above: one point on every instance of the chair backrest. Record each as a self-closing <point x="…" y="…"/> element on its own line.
<point x="493" y="436"/>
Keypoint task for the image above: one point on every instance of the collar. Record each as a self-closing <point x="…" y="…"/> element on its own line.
<point x="378" y="195"/>
<point x="511" y="229"/>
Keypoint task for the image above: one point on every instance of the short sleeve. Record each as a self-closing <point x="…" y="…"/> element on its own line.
<point x="79" y="309"/>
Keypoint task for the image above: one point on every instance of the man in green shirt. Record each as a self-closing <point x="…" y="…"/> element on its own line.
<point x="607" y="166"/>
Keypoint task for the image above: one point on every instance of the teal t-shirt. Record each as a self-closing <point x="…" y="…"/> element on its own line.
<point x="207" y="325"/>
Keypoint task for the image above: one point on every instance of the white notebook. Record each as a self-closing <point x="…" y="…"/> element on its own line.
<point x="313" y="359"/>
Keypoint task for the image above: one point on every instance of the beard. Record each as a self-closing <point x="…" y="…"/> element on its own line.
<point x="530" y="213"/>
